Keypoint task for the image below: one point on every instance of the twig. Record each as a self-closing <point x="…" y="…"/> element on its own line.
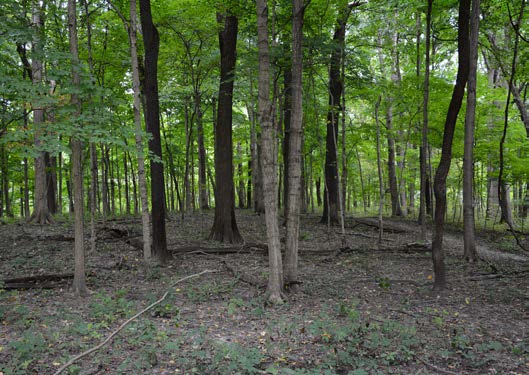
<point x="434" y="367"/>
<point x="124" y="324"/>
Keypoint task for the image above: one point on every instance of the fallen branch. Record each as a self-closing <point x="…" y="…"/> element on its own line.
<point x="435" y="368"/>
<point x="124" y="324"/>
<point x="246" y="248"/>
<point x="244" y="277"/>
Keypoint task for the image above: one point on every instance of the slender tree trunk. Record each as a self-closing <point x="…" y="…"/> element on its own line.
<point x="503" y="189"/>
<point x="79" y="279"/>
<point x="151" y="41"/>
<point x="446" y="151"/>
<point x="269" y="165"/>
<point x="41" y="213"/>
<point x="225" y="226"/>
<point x="187" y="183"/>
<point x="331" y="204"/>
<point x="142" y="180"/>
<point x="470" y="119"/>
<point x="202" y="160"/>
<point x="424" y="188"/>
<point x="362" y="185"/>
<point x="287" y="110"/>
<point x="241" y="191"/>
<point x="295" y="146"/>
<point x="380" y="179"/>
<point x="127" y="179"/>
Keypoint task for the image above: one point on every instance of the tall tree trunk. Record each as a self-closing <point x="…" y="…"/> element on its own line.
<point x="225" y="226"/>
<point x="79" y="279"/>
<point x="187" y="182"/>
<point x="202" y="160"/>
<point x="424" y="188"/>
<point x="287" y="109"/>
<point x="446" y="151"/>
<point x="330" y="204"/>
<point x="41" y="213"/>
<point x="151" y="41"/>
<point x="294" y="154"/>
<point x="269" y="165"/>
<point x="142" y="180"/>
<point x="241" y="191"/>
<point x="468" y="158"/>
<point x="380" y="179"/>
<point x="503" y="189"/>
<point x="51" y="181"/>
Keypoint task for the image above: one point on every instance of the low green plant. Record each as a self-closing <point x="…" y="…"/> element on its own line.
<point x="231" y="358"/>
<point x="24" y="351"/>
<point x="107" y="308"/>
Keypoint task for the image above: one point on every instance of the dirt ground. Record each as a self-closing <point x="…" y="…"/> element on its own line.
<point x="358" y="309"/>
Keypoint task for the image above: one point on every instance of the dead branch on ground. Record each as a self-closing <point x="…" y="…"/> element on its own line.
<point x="124" y="324"/>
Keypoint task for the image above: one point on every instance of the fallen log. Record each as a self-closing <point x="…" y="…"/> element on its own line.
<point x="414" y="247"/>
<point x="35" y="281"/>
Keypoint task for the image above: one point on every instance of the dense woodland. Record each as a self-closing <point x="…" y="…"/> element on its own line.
<point x="169" y="110"/>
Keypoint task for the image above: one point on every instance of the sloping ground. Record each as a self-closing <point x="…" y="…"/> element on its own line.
<point x="358" y="310"/>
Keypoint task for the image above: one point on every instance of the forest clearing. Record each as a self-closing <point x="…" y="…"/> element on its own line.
<point x="358" y="310"/>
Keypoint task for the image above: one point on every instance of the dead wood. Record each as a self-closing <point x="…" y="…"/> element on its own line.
<point x="245" y="248"/>
<point x="248" y="279"/>
<point x="124" y="324"/>
<point x="35" y="281"/>
<point x="410" y="248"/>
<point x="372" y="222"/>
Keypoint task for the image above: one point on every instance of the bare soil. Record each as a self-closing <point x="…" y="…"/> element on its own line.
<point x="359" y="309"/>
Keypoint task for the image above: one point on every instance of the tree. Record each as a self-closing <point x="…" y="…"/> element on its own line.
<point x="132" y="31"/>
<point x="463" y="46"/>
<point x="331" y="191"/>
<point x="224" y="225"/>
<point x="423" y="163"/>
<point x="470" y="119"/>
<point x="151" y="41"/>
<point x="41" y="212"/>
<point x="79" y="280"/>
<point x="269" y="162"/>
<point x="294" y="155"/>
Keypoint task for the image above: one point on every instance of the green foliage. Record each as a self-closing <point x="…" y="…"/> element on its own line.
<point x="25" y="350"/>
<point x="232" y="358"/>
<point x="107" y="308"/>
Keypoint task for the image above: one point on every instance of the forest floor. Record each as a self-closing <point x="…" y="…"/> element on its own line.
<point x="359" y="309"/>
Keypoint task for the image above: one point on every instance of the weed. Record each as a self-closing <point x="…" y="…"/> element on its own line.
<point x="108" y="309"/>
<point x="25" y="350"/>
<point x="230" y="358"/>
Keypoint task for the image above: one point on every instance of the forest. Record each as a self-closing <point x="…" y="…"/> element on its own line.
<point x="264" y="187"/>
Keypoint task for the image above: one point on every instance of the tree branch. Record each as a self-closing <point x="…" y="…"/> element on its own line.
<point x="124" y="324"/>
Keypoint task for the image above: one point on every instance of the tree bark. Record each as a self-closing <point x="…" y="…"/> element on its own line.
<point x="424" y="188"/>
<point x="331" y="202"/>
<point x="202" y="182"/>
<point x="142" y="180"/>
<point x="269" y="165"/>
<point x="79" y="278"/>
<point x="294" y="155"/>
<point x="446" y="151"/>
<point x="225" y="226"/>
<point x="151" y="41"/>
<point x="468" y="158"/>
<point x="287" y="110"/>
<point x="41" y="213"/>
